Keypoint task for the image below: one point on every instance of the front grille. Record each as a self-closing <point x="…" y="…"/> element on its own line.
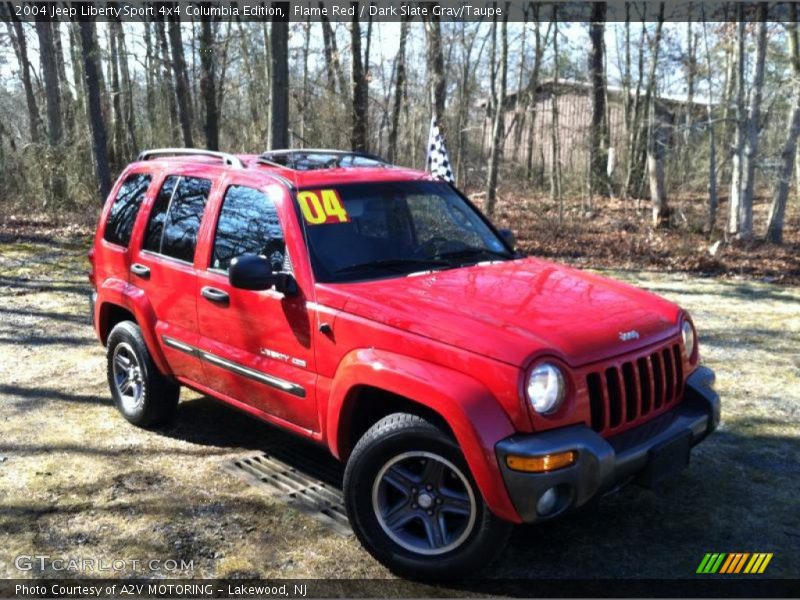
<point x="634" y="389"/>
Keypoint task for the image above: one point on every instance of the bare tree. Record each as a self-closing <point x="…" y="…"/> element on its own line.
<point x="120" y="149"/>
<point x="735" y="201"/>
<point x="777" y="211"/>
<point x="598" y="133"/>
<point x="167" y="79"/>
<point x="55" y="127"/>
<point x="656" y="143"/>
<point x="712" y="140"/>
<point x="96" y="122"/>
<point x="208" y="85"/>
<point x="555" y="138"/>
<point x="532" y="88"/>
<point x="279" y="85"/>
<point x="399" y="85"/>
<point x="335" y="73"/>
<point x="745" y="230"/>
<point x="358" y="82"/>
<point x="17" y="35"/>
<point x="182" y="89"/>
<point x="498" y="125"/>
<point x="436" y="77"/>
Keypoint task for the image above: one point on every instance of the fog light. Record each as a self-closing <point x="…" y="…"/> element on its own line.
<point x="541" y="464"/>
<point x="548" y="502"/>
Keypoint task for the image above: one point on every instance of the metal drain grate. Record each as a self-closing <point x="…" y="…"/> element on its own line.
<point x="308" y="482"/>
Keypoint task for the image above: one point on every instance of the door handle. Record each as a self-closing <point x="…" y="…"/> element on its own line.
<point x="215" y="295"/>
<point x="140" y="271"/>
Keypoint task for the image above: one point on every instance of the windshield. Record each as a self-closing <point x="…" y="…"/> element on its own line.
<point x="390" y="229"/>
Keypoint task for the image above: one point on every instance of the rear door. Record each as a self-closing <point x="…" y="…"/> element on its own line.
<point x="111" y="258"/>
<point x="255" y="345"/>
<point x="164" y="267"/>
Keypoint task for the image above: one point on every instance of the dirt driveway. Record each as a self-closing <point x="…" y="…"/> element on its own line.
<point x="77" y="480"/>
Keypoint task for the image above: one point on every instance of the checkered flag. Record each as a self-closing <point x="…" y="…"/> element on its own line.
<point x="438" y="162"/>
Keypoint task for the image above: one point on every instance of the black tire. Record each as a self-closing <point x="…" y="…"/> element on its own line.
<point x="154" y="397"/>
<point x="385" y="444"/>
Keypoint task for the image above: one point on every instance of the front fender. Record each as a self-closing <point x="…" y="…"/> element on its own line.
<point x="475" y="417"/>
<point x="116" y="292"/>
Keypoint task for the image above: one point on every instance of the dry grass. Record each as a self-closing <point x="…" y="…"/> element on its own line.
<point x="77" y="480"/>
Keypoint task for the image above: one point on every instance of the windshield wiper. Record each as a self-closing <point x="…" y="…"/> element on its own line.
<point x="472" y="251"/>
<point x="394" y="264"/>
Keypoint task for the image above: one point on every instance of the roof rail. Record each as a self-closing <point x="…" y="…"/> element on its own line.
<point x="292" y="158"/>
<point x="228" y="159"/>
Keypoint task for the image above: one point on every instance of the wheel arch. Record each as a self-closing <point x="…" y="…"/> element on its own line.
<point x="117" y="301"/>
<point x="370" y="384"/>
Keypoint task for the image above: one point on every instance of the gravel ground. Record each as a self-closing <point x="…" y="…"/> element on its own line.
<point x="77" y="480"/>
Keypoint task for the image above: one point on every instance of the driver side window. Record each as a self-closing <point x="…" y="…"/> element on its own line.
<point x="248" y="224"/>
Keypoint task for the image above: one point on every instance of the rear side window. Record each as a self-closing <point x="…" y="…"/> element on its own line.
<point x="248" y="224"/>
<point x="176" y="216"/>
<point x="125" y="208"/>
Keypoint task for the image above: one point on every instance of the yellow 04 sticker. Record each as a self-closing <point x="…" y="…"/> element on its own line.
<point x="321" y="207"/>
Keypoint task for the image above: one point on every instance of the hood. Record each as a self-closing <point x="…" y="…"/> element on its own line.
<point x="515" y="310"/>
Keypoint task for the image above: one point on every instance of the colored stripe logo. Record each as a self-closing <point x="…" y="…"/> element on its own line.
<point x="734" y="563"/>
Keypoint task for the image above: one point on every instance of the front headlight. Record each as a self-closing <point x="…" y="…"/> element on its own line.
<point x="546" y="388"/>
<point x="688" y="338"/>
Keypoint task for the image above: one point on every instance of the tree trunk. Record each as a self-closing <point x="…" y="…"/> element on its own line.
<point x="150" y="76"/>
<point x="332" y="59"/>
<point x="532" y="92"/>
<point x="168" y="80"/>
<point x="208" y="85"/>
<point x="399" y="84"/>
<point x="96" y="122"/>
<point x="279" y="86"/>
<point x="55" y="128"/>
<point x="77" y="70"/>
<point x="598" y="137"/>
<point x="498" y="126"/>
<point x="183" y="92"/>
<point x="252" y="95"/>
<point x="67" y="103"/>
<point x="127" y="87"/>
<point x="734" y="220"/>
<point x="555" y="138"/>
<point x="635" y="150"/>
<point x="436" y="78"/>
<point x="17" y="35"/>
<point x="712" y="141"/>
<point x="120" y="150"/>
<point x="780" y="197"/>
<point x="656" y="142"/>
<point x="358" y="136"/>
<point x="753" y="127"/>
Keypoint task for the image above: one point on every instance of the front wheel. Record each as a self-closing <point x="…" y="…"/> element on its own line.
<point x="414" y="505"/>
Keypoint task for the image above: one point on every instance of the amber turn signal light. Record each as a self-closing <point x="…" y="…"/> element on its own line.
<point x="541" y="464"/>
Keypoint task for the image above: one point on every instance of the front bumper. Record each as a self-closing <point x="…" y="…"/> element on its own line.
<point x="646" y="453"/>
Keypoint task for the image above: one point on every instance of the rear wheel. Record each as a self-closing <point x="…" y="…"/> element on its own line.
<point x="414" y="505"/>
<point x="143" y="395"/>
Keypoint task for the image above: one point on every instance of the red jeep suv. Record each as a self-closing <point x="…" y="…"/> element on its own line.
<point x="375" y="310"/>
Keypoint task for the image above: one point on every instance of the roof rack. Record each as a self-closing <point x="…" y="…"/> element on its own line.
<point x="228" y="159"/>
<point x="307" y="159"/>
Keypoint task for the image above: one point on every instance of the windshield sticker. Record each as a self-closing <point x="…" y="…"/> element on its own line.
<point x="322" y="207"/>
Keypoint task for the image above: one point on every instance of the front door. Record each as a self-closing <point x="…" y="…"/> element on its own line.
<point x="255" y="346"/>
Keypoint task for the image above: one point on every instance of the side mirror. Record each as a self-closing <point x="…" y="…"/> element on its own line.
<point x="509" y="238"/>
<point x="253" y="272"/>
